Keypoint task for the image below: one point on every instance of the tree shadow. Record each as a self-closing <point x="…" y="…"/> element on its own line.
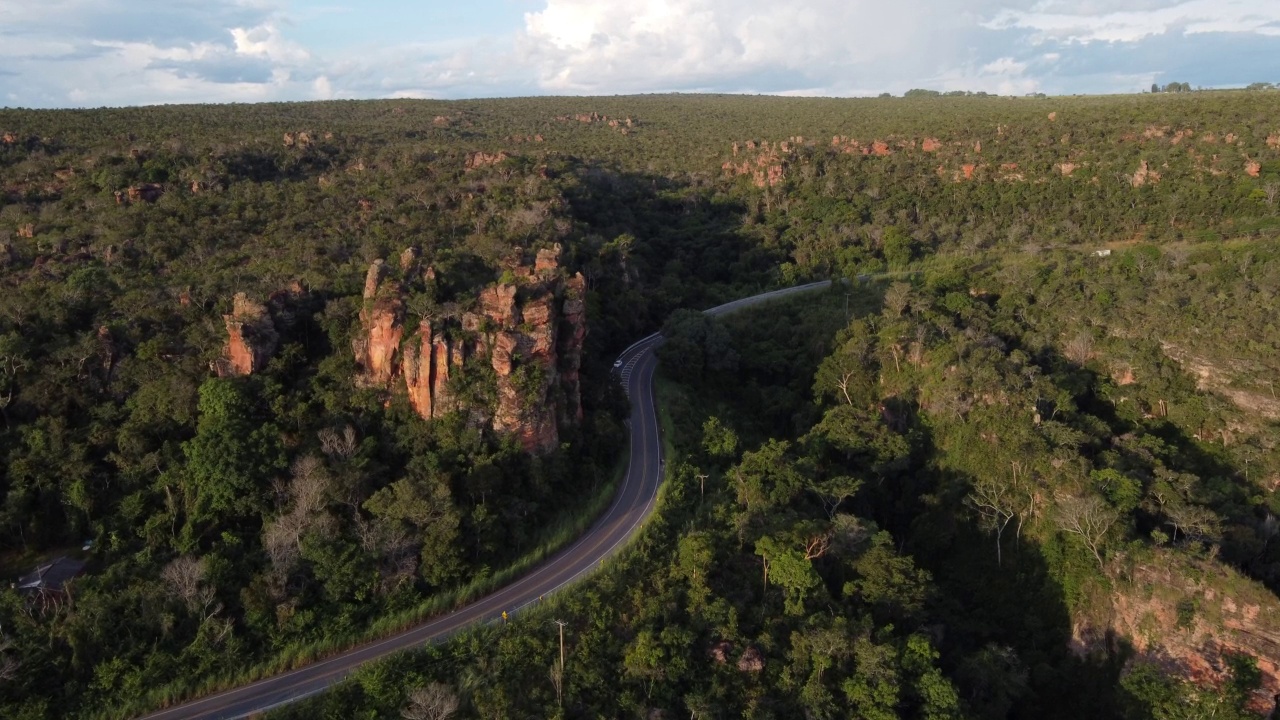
<point x="657" y="245"/>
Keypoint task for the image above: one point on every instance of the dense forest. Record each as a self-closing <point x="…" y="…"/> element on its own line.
<point x="283" y="377"/>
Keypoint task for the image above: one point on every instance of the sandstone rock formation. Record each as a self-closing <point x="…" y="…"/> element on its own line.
<point x="299" y="140"/>
<point x="529" y="333"/>
<point x="251" y="338"/>
<point x="146" y="192"/>
<point x="767" y="168"/>
<point x="382" y="320"/>
<point x="477" y="160"/>
<point x="1144" y="175"/>
<point x="622" y="125"/>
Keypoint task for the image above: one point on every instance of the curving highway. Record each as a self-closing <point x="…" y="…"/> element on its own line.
<point x="632" y="506"/>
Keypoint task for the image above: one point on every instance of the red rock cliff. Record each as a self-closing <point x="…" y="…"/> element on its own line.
<point x="530" y="333"/>
<point x="382" y="323"/>
<point x="251" y="338"/>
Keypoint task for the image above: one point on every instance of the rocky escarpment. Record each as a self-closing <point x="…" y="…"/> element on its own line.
<point x="1188" y="616"/>
<point x="981" y="156"/>
<point x="253" y="329"/>
<point x="528" y="330"/>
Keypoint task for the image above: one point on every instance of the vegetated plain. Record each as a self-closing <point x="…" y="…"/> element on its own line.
<point x="1031" y="474"/>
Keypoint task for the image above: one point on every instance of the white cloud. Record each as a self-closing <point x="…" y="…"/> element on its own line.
<point x="1092" y="24"/>
<point x="827" y="45"/>
<point x="323" y="88"/>
<point x="90" y="52"/>
<point x="265" y="41"/>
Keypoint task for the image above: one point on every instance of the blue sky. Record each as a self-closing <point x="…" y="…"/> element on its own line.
<point x="87" y="53"/>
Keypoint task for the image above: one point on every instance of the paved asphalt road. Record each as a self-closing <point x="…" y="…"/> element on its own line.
<point x="634" y="503"/>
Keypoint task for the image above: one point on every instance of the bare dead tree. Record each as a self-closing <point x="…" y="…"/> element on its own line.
<point x="305" y="499"/>
<point x="557" y="681"/>
<point x="394" y="545"/>
<point x="996" y="504"/>
<point x="309" y="484"/>
<point x="1088" y="518"/>
<point x="842" y="382"/>
<point x="1080" y="348"/>
<point x="817" y="546"/>
<point x="185" y="576"/>
<point x="436" y="701"/>
<point x="339" y="445"/>
<point x="1195" y="522"/>
<point x="896" y="299"/>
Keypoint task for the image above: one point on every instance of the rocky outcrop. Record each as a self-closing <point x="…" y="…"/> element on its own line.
<point x="477" y="160"/>
<point x="768" y="167"/>
<point x="1187" y="616"/>
<point x="300" y="140"/>
<point x="382" y="321"/>
<point x="1144" y="175"/>
<point x="1238" y="381"/>
<point x="146" y="192"/>
<point x="574" y="318"/>
<point x="1252" y="168"/>
<point x="752" y="661"/>
<point x="426" y="369"/>
<point x="251" y="338"/>
<point x="528" y="331"/>
<point x="623" y="125"/>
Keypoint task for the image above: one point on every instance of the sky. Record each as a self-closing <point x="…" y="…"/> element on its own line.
<point x="92" y="53"/>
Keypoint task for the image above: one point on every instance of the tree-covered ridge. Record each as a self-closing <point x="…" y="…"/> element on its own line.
<point x="1006" y="376"/>
<point x="850" y="530"/>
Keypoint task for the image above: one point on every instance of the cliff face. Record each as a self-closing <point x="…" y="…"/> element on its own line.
<point x="529" y="332"/>
<point x="254" y="329"/>
<point x="382" y="319"/>
<point x="1187" y="616"/>
<point x="251" y="338"/>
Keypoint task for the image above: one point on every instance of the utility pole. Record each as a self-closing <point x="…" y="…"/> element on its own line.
<point x="561" y="623"/>
<point x="557" y="673"/>
<point x="702" y="485"/>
